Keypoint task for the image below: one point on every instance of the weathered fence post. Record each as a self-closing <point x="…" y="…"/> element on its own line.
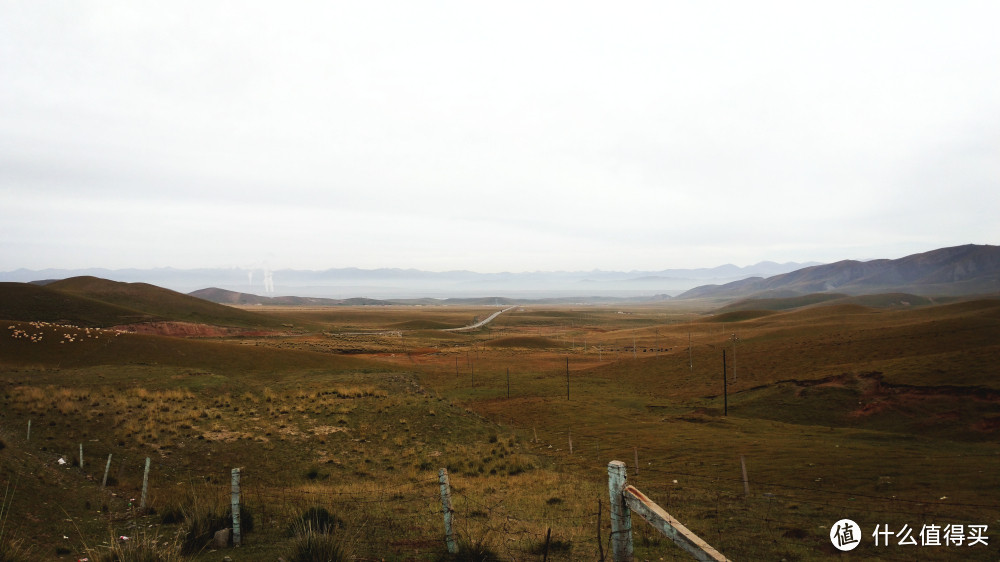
<point x="746" y="483"/>
<point x="236" y="506"/>
<point x="449" y="536"/>
<point x="145" y="486"/>
<point x="104" y="483"/>
<point x="621" y="516"/>
<point x="600" y="541"/>
<point x="28" y="437"/>
<point x="81" y="456"/>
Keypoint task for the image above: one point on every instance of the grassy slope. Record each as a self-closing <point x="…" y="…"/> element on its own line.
<point x="22" y="301"/>
<point x="122" y="352"/>
<point x="162" y="303"/>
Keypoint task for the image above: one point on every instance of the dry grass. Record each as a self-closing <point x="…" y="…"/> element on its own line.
<point x="364" y="434"/>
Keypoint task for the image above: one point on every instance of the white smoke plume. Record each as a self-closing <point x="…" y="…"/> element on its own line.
<point x="268" y="281"/>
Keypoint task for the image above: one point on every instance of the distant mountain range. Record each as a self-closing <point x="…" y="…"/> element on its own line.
<point x="346" y="283"/>
<point x="956" y="271"/>
<point x="223" y="296"/>
<point x="960" y="270"/>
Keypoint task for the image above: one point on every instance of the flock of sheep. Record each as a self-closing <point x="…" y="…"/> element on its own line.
<point x="77" y="333"/>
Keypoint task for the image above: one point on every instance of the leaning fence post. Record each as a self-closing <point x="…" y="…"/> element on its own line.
<point x="621" y="516"/>
<point x="449" y="537"/>
<point x="104" y="483"/>
<point x="236" y="506"/>
<point x="145" y="486"/>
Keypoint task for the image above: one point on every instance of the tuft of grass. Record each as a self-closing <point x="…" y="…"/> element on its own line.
<point x="555" y="546"/>
<point x="316" y="519"/>
<point x="470" y="550"/>
<point x="12" y="548"/>
<point x="200" y="526"/>
<point x="146" y="547"/>
<point x="202" y="521"/>
<point x="318" y="544"/>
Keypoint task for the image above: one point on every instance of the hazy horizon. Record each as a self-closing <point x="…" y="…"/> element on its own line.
<point x="448" y="136"/>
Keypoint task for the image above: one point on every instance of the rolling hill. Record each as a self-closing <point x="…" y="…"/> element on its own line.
<point x="91" y="301"/>
<point x="960" y="270"/>
<point x="875" y="300"/>
<point x="224" y="296"/>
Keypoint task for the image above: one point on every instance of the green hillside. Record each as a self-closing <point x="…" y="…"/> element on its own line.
<point x="101" y="302"/>
<point x="22" y="301"/>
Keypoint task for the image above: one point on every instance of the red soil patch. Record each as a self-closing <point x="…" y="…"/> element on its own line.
<point x="187" y="330"/>
<point x="987" y="425"/>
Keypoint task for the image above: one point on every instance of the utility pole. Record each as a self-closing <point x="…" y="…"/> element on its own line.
<point x="725" y="390"/>
<point x="567" y="378"/>
<point x="735" y="339"/>
<point x="690" y="354"/>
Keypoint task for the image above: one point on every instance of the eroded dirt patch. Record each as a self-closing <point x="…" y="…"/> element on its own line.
<point x="188" y="330"/>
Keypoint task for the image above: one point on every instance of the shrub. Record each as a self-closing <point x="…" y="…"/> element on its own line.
<point x="201" y="524"/>
<point x="316" y="520"/>
<point x="311" y="545"/>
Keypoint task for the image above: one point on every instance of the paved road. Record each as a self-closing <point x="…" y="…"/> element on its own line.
<point x="479" y="324"/>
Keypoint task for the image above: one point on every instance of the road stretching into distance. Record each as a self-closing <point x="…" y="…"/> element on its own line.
<point x="399" y="333"/>
<point x="479" y="324"/>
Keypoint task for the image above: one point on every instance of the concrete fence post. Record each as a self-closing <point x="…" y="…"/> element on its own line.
<point x="449" y="535"/>
<point x="107" y="468"/>
<point x="236" y="506"/>
<point x="621" y="516"/>
<point x="145" y="486"/>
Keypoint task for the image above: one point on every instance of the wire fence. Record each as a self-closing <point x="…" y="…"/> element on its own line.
<point x="760" y="517"/>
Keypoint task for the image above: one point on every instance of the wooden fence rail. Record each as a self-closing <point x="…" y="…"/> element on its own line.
<point x="625" y="499"/>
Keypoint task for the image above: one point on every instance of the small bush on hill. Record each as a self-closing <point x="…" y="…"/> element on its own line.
<point x="470" y="551"/>
<point x="315" y="520"/>
<point x="312" y="545"/>
<point x="202" y="522"/>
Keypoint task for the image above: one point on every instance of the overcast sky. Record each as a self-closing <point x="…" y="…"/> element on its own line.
<point x="500" y="136"/>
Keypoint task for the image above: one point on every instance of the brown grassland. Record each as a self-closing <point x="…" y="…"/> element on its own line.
<point x="888" y="415"/>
